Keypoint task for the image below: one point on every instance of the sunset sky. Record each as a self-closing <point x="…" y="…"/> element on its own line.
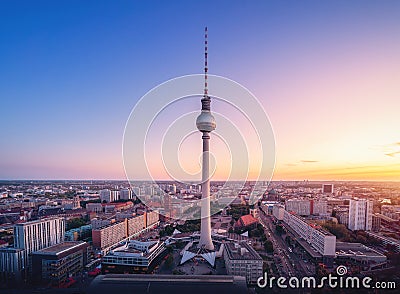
<point x="326" y="72"/>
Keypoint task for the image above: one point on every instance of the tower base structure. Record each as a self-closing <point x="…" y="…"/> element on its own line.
<point x="194" y="249"/>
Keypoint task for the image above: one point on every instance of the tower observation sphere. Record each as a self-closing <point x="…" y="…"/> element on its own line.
<point x="205" y="122"/>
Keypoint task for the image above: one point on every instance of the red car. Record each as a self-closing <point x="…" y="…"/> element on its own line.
<point x="94" y="272"/>
<point x="68" y="283"/>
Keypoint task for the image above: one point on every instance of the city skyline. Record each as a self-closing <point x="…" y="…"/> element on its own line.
<point x="326" y="73"/>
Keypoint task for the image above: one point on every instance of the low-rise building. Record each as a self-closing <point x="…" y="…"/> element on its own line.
<point x="57" y="263"/>
<point x="133" y="256"/>
<point x="392" y="211"/>
<point x="359" y="254"/>
<point x="246" y="222"/>
<point x="386" y="240"/>
<point x="94" y="207"/>
<point x="242" y="260"/>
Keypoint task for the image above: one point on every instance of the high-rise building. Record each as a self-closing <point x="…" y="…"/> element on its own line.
<point x="126" y="194"/>
<point x="327" y="188"/>
<point x="36" y="235"/>
<point x="360" y="214"/>
<point x="167" y="206"/>
<point x="28" y="238"/>
<point x="76" y="202"/>
<point x="376" y="222"/>
<point x="39" y="234"/>
<point x="342" y="215"/>
<point x="107" y="195"/>
<point x="172" y="188"/>
<point x="278" y="211"/>
<point x="136" y="191"/>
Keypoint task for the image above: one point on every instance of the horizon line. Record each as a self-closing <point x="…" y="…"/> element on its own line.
<point x="216" y="180"/>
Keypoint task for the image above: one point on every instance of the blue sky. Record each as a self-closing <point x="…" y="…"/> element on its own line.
<point x="71" y="71"/>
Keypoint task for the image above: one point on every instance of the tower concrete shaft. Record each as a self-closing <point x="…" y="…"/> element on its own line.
<point x="205" y="230"/>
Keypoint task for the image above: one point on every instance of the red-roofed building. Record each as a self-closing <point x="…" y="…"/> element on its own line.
<point x="246" y="222"/>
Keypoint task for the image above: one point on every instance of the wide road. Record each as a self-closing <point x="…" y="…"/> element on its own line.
<point x="283" y="263"/>
<point x="292" y="262"/>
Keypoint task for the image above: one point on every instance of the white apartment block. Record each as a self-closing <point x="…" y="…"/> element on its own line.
<point x="319" y="207"/>
<point x="109" y="196"/>
<point x="39" y="234"/>
<point x="278" y="211"/>
<point x="322" y="241"/>
<point x="126" y="194"/>
<point x="299" y="206"/>
<point x="343" y="216"/>
<point x="360" y="214"/>
<point x="112" y="233"/>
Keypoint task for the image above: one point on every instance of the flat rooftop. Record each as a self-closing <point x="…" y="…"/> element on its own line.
<point x="345" y="248"/>
<point x="192" y="284"/>
<point x="384" y="237"/>
<point x="60" y="248"/>
<point x="314" y="254"/>
<point x="39" y="220"/>
<point x="241" y="251"/>
<point x="312" y="223"/>
<point x="386" y="218"/>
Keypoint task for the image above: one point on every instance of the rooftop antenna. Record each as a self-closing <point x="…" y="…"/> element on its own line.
<point x="205" y="102"/>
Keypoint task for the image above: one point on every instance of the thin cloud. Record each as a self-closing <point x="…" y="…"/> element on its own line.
<point x="309" y="161"/>
<point x="390" y="150"/>
<point x="392" y="154"/>
<point x="291" y="164"/>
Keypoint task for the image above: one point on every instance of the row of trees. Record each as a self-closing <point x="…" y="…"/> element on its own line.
<point x="188" y="226"/>
<point x="75" y="223"/>
<point x="343" y="234"/>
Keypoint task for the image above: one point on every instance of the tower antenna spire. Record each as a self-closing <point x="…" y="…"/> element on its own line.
<point x="205" y="61"/>
<point x="206" y="101"/>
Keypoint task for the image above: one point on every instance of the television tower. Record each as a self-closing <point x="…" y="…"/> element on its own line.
<point x="205" y="122"/>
